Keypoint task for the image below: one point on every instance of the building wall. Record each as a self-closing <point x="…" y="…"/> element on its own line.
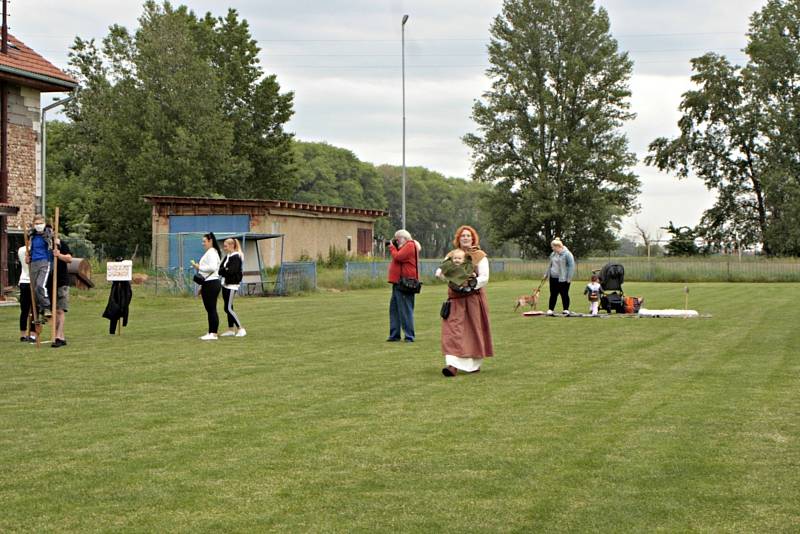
<point x="24" y="172"/>
<point x="306" y="235"/>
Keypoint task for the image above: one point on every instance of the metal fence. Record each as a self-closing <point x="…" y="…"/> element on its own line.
<point x="374" y="270"/>
<point x="717" y="269"/>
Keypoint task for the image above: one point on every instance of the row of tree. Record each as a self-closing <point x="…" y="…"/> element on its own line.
<point x="183" y="107"/>
<point x="740" y="133"/>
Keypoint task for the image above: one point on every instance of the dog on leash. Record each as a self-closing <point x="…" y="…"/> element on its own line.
<point x="531" y="300"/>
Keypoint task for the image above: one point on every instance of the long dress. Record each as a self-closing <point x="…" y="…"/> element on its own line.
<point x="466" y="336"/>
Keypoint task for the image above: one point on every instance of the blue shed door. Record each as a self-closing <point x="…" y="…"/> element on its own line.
<point x="199" y="225"/>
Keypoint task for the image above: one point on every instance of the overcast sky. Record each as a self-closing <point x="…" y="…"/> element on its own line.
<point x="342" y="60"/>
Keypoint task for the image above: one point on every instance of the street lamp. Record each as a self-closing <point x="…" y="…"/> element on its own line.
<point x="43" y="135"/>
<point x="403" y="40"/>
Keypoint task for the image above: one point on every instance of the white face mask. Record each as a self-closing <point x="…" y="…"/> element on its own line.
<point x="39" y="227"/>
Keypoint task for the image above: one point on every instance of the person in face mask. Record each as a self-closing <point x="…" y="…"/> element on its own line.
<point x="40" y="257"/>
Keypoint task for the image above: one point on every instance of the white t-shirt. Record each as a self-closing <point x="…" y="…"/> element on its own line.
<point x="24" y="275"/>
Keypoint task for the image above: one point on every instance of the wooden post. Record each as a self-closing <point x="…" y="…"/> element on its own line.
<point x="54" y="294"/>
<point x="32" y="314"/>
<point x="119" y="326"/>
<point x="685" y="300"/>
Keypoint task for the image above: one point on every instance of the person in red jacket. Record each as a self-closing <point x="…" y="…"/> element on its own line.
<point x="405" y="254"/>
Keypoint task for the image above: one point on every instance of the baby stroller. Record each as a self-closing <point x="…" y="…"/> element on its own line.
<point x="612" y="275"/>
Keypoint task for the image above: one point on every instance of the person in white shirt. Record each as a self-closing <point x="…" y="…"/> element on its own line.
<point x="209" y="290"/>
<point x="594" y="291"/>
<point x="231" y="274"/>
<point x="26" y="332"/>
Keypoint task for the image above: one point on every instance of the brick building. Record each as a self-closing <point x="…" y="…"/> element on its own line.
<point x="24" y="76"/>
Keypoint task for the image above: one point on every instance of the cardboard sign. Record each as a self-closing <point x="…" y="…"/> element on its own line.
<point x="119" y="271"/>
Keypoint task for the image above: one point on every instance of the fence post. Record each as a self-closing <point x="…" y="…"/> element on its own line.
<point x="729" y="268"/>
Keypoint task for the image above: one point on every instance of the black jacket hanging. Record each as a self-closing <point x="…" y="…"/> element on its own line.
<point x="118" y="306"/>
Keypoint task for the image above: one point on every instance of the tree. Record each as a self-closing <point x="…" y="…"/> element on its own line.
<point x="740" y="133"/>
<point x="548" y="129"/>
<point x="682" y="242"/>
<point x="180" y="107"/>
<point x="721" y="140"/>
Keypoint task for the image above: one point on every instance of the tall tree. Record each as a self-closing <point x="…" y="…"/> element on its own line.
<point x="179" y="107"/>
<point x="740" y="133"/>
<point x="548" y="129"/>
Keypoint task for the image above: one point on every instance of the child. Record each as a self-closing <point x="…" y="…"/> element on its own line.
<point x="593" y="291"/>
<point x="457" y="269"/>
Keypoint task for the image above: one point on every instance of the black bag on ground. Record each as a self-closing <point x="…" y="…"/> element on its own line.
<point x="444" y="313"/>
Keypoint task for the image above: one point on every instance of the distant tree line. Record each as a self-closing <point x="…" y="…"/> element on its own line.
<point x="181" y="106"/>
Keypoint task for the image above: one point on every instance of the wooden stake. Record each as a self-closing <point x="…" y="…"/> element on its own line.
<point x="37" y="328"/>
<point x="685" y="300"/>
<point x="54" y="294"/>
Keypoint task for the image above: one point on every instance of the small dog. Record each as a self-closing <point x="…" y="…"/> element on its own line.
<point x="531" y="300"/>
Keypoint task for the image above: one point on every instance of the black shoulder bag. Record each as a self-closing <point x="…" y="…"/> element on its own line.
<point x="411" y="286"/>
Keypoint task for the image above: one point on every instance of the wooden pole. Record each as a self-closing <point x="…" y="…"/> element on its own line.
<point x="32" y="313"/>
<point x="119" y="326"/>
<point x="54" y="294"/>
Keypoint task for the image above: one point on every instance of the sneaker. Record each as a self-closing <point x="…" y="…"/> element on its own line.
<point x="227" y="333"/>
<point x="241" y="333"/>
<point x="409" y="340"/>
<point x="208" y="337"/>
<point x="566" y="312"/>
<point x="58" y="343"/>
<point x="32" y="339"/>
<point x="549" y="312"/>
<point x="392" y="339"/>
<point x="24" y="338"/>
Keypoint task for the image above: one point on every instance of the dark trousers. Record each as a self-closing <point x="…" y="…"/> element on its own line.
<point x="558" y="288"/>
<point x="210" y="291"/>
<point x="401" y="314"/>
<point x="227" y="300"/>
<point x="24" y="306"/>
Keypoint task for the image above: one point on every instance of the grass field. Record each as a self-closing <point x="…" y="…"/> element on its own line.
<point x="314" y="423"/>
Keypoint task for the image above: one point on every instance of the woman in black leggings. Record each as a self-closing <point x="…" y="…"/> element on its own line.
<point x="561" y="270"/>
<point x="209" y="290"/>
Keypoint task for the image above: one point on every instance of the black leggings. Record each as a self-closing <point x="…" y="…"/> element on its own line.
<point x="558" y="288"/>
<point x="227" y="300"/>
<point x="210" y="291"/>
<point x="24" y="306"/>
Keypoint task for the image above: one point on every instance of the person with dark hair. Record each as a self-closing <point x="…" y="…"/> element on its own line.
<point x="27" y="331"/>
<point x="230" y="273"/>
<point x="63" y="255"/>
<point x="210" y="288"/>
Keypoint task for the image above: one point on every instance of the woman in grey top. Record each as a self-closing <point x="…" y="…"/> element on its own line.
<point x="561" y="270"/>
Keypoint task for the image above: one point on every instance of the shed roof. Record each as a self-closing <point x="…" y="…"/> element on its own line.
<point x="163" y="200"/>
<point x="24" y="66"/>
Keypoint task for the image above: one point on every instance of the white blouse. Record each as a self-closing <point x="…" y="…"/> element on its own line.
<point x="209" y="264"/>
<point x="24" y="276"/>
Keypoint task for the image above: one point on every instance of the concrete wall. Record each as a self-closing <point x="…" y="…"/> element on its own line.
<point x="24" y="149"/>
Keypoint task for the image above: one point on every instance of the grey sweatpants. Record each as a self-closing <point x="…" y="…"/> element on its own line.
<point x="40" y="270"/>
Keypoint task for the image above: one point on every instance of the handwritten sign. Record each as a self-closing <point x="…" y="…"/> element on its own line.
<point x="119" y="271"/>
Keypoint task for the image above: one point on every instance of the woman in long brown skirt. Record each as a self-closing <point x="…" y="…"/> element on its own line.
<point x="466" y="336"/>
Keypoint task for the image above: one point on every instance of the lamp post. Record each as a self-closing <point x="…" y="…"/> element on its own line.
<point x="403" y="40"/>
<point x="43" y="163"/>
